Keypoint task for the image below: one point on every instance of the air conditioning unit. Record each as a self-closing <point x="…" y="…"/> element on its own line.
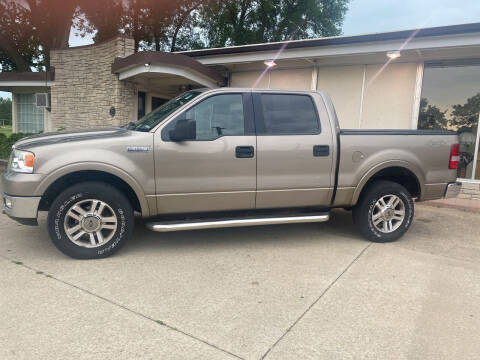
<point x="43" y="100"/>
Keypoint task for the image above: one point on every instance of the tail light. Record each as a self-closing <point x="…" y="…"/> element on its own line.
<point x="454" y="156"/>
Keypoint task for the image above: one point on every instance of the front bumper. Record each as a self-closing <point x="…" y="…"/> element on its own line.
<point x="23" y="209"/>
<point x="453" y="189"/>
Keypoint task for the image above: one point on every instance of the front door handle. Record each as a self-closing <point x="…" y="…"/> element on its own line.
<point x="321" y="150"/>
<point x="243" y="152"/>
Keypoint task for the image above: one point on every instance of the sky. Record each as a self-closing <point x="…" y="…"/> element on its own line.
<point x="369" y="16"/>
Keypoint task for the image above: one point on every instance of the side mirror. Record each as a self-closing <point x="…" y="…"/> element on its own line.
<point x="184" y="130"/>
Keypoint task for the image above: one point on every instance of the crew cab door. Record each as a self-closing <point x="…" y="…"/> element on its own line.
<point x="294" y="151"/>
<point x="217" y="169"/>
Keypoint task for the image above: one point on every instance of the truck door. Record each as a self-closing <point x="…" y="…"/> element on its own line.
<point x="216" y="170"/>
<point x="294" y="151"/>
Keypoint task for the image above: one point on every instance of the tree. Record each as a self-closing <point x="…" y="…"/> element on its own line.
<point x="431" y="117"/>
<point x="6" y="110"/>
<point x="168" y="24"/>
<point x="104" y="18"/>
<point x="52" y="22"/>
<point x="18" y="46"/>
<point x="233" y="22"/>
<point x="465" y="117"/>
<point x="30" y="29"/>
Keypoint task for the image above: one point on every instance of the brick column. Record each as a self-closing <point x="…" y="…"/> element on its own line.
<point x="85" y="88"/>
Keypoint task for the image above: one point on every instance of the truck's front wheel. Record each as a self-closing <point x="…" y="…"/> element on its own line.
<point x="90" y="220"/>
<point x="384" y="211"/>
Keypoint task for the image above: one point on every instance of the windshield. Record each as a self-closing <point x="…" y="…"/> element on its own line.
<point x="149" y="121"/>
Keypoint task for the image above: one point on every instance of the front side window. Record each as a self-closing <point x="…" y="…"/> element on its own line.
<point x="289" y="114"/>
<point x="216" y="116"/>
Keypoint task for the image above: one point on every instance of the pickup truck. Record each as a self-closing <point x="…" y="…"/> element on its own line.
<point x="223" y="158"/>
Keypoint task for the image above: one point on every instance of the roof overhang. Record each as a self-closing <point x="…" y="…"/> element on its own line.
<point x="424" y="44"/>
<point x="168" y="68"/>
<point x="26" y="81"/>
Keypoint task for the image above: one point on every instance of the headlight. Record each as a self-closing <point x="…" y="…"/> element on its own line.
<point x="21" y="161"/>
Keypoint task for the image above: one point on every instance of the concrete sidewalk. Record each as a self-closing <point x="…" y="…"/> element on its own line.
<point x="304" y="291"/>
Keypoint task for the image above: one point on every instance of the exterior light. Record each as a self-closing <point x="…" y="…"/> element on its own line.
<point x="270" y="63"/>
<point x="394" y="54"/>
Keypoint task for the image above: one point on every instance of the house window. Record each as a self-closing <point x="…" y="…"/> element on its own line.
<point x="451" y="101"/>
<point x="29" y="117"/>
<point x="156" y="102"/>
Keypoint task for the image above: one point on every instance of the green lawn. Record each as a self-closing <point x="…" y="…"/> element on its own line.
<point x="7" y="129"/>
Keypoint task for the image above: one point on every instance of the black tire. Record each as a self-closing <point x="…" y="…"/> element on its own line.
<point x="113" y="198"/>
<point x="366" y="208"/>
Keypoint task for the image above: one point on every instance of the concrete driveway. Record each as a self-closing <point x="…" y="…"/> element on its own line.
<point x="304" y="291"/>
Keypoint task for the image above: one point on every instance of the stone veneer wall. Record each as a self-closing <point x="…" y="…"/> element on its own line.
<point x="85" y="88"/>
<point x="470" y="190"/>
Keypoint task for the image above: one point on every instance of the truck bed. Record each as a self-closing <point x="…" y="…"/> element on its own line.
<point x="425" y="153"/>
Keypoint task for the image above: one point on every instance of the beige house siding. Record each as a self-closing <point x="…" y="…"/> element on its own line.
<point x="249" y="79"/>
<point x="344" y="85"/>
<point x="291" y="79"/>
<point x="389" y="96"/>
<point x="85" y="88"/>
<point x="273" y="79"/>
<point x="388" y="92"/>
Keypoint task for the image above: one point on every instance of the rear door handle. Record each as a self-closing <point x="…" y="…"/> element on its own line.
<point x="321" y="150"/>
<point x="244" y="152"/>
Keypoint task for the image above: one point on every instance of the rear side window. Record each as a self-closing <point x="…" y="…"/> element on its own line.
<point x="289" y="114"/>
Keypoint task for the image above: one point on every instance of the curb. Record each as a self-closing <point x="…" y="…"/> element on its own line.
<point x="463" y="207"/>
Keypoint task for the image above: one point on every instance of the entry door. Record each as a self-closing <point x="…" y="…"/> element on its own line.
<point x="217" y="170"/>
<point x="294" y="154"/>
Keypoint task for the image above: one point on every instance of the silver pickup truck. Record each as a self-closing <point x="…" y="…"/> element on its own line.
<point x="224" y="158"/>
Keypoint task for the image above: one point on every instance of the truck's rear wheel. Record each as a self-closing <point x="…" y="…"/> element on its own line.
<point x="90" y="220"/>
<point x="384" y="211"/>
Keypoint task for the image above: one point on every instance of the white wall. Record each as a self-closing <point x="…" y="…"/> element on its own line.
<point x="344" y="85"/>
<point x="291" y="79"/>
<point x="249" y="79"/>
<point x="389" y="95"/>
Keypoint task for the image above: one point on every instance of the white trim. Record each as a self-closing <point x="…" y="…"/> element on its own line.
<point x="14" y="113"/>
<point x="475" y="155"/>
<point x="417" y="95"/>
<point x="362" y="97"/>
<point x="170" y="70"/>
<point x="135" y="103"/>
<point x="314" y="84"/>
<point x="27" y="83"/>
<point x="424" y="43"/>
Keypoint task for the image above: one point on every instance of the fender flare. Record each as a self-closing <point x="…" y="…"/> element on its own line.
<point x="390" y="163"/>
<point x="96" y="166"/>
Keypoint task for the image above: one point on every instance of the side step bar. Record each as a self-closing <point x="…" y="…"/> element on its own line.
<point x="236" y="222"/>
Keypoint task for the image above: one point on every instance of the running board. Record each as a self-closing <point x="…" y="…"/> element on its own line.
<point x="167" y="226"/>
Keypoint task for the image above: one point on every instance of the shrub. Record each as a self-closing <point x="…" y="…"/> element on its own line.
<point x="6" y="143"/>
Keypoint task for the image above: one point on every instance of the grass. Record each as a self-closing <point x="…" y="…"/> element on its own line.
<point x="7" y="129"/>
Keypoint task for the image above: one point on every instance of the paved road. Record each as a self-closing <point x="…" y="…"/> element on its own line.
<point x="304" y="291"/>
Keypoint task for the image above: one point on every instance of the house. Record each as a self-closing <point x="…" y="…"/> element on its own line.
<point x="425" y="78"/>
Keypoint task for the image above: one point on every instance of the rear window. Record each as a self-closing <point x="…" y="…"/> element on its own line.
<point x="289" y="114"/>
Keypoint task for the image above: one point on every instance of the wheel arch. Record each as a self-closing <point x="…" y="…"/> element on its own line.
<point x="67" y="176"/>
<point x="401" y="172"/>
